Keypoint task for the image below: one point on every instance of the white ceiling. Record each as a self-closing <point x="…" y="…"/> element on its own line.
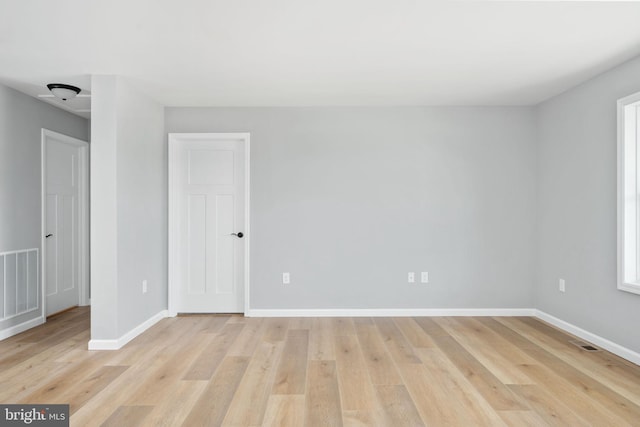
<point x="329" y="52"/>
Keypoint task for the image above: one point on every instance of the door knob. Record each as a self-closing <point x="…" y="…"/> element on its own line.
<point x="48" y="235"/>
<point x="238" y="235"/>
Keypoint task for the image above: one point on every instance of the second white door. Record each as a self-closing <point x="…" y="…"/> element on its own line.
<point x="207" y="175"/>
<point x="64" y="160"/>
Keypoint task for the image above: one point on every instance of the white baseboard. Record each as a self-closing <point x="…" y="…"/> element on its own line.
<point x="120" y="342"/>
<point x="604" y="343"/>
<point x="14" y="330"/>
<point x="390" y="312"/>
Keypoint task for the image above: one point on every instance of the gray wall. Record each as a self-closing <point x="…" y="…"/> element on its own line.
<point x="348" y="200"/>
<point x="21" y="120"/>
<point x="577" y="208"/>
<point x="129" y="208"/>
<point x="104" y="209"/>
<point x="142" y="208"/>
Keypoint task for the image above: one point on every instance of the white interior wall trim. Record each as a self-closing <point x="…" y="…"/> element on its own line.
<point x="597" y="340"/>
<point x="118" y="343"/>
<point x="391" y="312"/>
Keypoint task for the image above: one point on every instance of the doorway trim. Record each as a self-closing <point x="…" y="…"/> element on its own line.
<point x="83" y="203"/>
<point x="174" y="169"/>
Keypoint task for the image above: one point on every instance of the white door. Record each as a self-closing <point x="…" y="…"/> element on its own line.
<point x="63" y="181"/>
<point x="207" y="222"/>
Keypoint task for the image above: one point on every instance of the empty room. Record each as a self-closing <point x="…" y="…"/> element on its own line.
<point x="337" y="213"/>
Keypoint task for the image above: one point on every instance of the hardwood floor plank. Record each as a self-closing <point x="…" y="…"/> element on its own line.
<point x="204" y="367"/>
<point x="211" y="324"/>
<point x="63" y="334"/>
<point x="551" y="410"/>
<point x="52" y="391"/>
<point x="498" y="395"/>
<point x="436" y="383"/>
<point x="250" y="401"/>
<point x="477" y="331"/>
<point x="248" y="339"/>
<point x="60" y="327"/>
<point x="362" y="321"/>
<point x="275" y="329"/>
<point x="284" y="411"/>
<point x="116" y="393"/>
<point x="54" y="324"/>
<point x="607" y="368"/>
<point x="482" y="346"/>
<point x="355" y="387"/>
<point x="321" y="340"/>
<point x="300" y="322"/>
<point x="212" y="406"/>
<point x="398" y="406"/>
<point x="397" y="345"/>
<point x="604" y="393"/>
<point x="176" y="406"/>
<point x="430" y="397"/>
<point x="572" y="397"/>
<point x="379" y="364"/>
<point x="343" y="326"/>
<point x="232" y="317"/>
<point x="361" y="419"/>
<point x="12" y="355"/>
<point x="27" y="376"/>
<point x="430" y="326"/>
<point x="414" y="333"/>
<point x="81" y="393"/>
<point x="580" y="382"/>
<point x="165" y="329"/>
<point x="128" y="416"/>
<point x="522" y="419"/>
<point x="292" y="369"/>
<point x="323" y="407"/>
<point x="169" y="368"/>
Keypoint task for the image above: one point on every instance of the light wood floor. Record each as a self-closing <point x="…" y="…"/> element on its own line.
<point x="236" y="371"/>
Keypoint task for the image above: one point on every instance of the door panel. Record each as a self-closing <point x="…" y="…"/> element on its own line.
<point x="197" y="244"/>
<point x="62" y="213"/>
<point x="225" y="242"/>
<point x="211" y="167"/>
<point x="67" y="237"/>
<point x="210" y="207"/>
<point x="50" y="244"/>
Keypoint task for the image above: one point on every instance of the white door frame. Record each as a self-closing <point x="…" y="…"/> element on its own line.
<point x="83" y="221"/>
<point x="174" y="173"/>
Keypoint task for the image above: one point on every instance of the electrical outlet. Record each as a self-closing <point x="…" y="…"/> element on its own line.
<point x="411" y="277"/>
<point x="286" y="278"/>
<point x="424" y="277"/>
<point x="561" y="285"/>
<point x="144" y="286"/>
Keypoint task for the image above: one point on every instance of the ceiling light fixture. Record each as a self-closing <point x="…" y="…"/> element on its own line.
<point x="63" y="91"/>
